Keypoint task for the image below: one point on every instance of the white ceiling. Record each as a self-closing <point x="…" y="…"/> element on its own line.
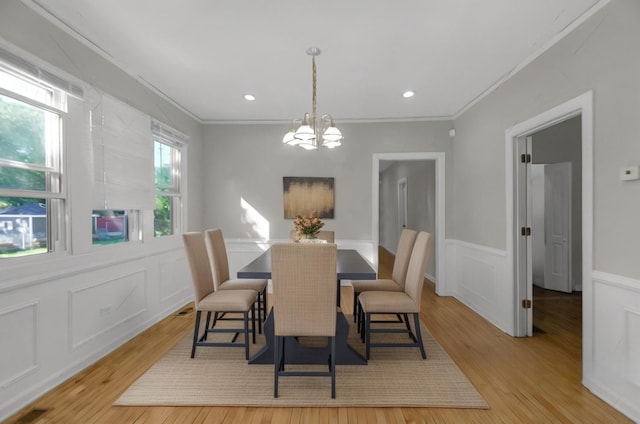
<point x="204" y="55"/>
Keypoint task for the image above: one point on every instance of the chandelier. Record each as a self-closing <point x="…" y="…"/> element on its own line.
<point x="306" y="136"/>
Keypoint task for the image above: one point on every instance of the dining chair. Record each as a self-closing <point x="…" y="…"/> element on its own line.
<point x="219" y="262"/>
<point x="328" y="236"/>
<point x="206" y="298"/>
<point x="395" y="302"/>
<point x="398" y="273"/>
<point x="304" y="302"/>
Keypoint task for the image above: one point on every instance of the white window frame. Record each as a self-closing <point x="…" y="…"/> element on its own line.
<point x="176" y="142"/>
<point x="55" y="193"/>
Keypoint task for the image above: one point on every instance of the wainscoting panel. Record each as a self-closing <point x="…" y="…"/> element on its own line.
<point x="19" y="353"/>
<point x="616" y="342"/>
<point x="632" y="333"/>
<point x="172" y="282"/>
<point x="476" y="277"/>
<point x="100" y="307"/>
<point x="53" y="326"/>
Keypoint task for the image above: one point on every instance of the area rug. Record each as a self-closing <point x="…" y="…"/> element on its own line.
<point x="396" y="377"/>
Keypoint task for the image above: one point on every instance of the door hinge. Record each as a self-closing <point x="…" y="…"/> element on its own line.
<point x="525" y="158"/>
<point x="526" y="231"/>
<point x="526" y="303"/>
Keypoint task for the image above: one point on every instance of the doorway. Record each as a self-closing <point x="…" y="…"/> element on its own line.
<point x="519" y="242"/>
<point x="380" y="160"/>
<point x="556" y="207"/>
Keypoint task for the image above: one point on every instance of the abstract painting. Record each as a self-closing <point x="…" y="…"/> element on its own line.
<point x="306" y="195"/>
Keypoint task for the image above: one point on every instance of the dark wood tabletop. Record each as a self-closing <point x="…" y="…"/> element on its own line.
<point x="350" y="266"/>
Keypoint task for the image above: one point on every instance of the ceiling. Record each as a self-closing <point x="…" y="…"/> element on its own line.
<point x="205" y="55"/>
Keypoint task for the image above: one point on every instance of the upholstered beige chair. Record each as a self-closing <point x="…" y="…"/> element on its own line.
<point x="304" y="301"/>
<point x="395" y="302"/>
<point x="398" y="274"/>
<point x="209" y="300"/>
<point x="329" y="236"/>
<point x="221" y="280"/>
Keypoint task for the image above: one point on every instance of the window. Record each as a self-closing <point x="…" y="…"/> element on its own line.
<point x="167" y="159"/>
<point x="32" y="199"/>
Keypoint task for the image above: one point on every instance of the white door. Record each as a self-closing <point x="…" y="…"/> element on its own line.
<point x="557" y="218"/>
<point x="522" y="239"/>
<point x="402" y="204"/>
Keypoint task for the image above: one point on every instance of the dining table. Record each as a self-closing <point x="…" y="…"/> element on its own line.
<point x="350" y="265"/>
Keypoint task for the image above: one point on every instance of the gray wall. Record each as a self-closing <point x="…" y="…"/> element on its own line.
<point x="248" y="162"/>
<point x="421" y="197"/>
<point x="562" y="143"/>
<point x="600" y="55"/>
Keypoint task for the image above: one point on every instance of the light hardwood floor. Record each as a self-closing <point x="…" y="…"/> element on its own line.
<point x="524" y="380"/>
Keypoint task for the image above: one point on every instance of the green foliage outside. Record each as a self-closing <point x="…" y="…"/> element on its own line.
<point x="21" y="139"/>
<point x="162" y="216"/>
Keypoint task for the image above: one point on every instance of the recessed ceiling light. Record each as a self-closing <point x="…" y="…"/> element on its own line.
<point x="249" y="97"/>
<point x="408" y="94"/>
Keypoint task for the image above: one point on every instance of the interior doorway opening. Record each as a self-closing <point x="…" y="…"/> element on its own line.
<point x="556" y="235"/>
<point x="519" y="240"/>
<point x="438" y="159"/>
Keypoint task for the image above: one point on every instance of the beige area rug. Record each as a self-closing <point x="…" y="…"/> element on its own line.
<point x="221" y="377"/>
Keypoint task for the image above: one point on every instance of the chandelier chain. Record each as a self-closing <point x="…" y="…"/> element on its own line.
<point x="313" y="95"/>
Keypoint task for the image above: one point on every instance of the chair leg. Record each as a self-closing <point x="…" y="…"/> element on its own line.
<point x="195" y="333"/>
<point x="207" y="321"/>
<point x="215" y="319"/>
<point x="246" y="334"/>
<point x="406" y="323"/>
<point x="416" y="320"/>
<point x="333" y="367"/>
<point x="261" y="299"/>
<point x="276" y="364"/>
<point x="359" y="309"/>
<point x="361" y="322"/>
<point x="253" y="321"/>
<point x="355" y="307"/>
<point x="367" y="333"/>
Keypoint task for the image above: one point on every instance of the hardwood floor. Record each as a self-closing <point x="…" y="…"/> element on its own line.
<point x="524" y="380"/>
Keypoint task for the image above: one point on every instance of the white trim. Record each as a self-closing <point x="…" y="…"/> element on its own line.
<point x="581" y="105"/>
<point x="440" y="251"/>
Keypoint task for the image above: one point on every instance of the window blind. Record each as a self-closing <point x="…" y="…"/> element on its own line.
<point x="122" y="156"/>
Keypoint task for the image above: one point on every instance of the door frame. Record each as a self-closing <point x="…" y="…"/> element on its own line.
<point x="403" y="201"/>
<point x="583" y="106"/>
<point x="439" y="246"/>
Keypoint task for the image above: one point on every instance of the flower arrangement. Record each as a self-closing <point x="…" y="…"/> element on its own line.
<point x="307" y="226"/>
